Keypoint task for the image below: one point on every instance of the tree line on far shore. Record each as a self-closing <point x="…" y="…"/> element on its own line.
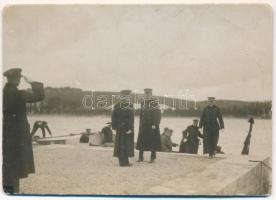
<point x="68" y="100"/>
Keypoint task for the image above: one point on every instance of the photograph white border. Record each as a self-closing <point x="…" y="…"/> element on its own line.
<point x="271" y="3"/>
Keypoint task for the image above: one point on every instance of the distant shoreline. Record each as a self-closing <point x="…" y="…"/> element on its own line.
<point x="167" y="116"/>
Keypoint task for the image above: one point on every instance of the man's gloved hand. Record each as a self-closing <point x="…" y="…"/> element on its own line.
<point x="153" y="127"/>
<point x="27" y="79"/>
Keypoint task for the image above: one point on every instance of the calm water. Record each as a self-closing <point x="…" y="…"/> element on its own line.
<point x="231" y="139"/>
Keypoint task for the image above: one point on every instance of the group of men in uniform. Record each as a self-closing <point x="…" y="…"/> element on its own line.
<point x="149" y="138"/>
<point x="122" y="121"/>
<point x="18" y="159"/>
<point x="211" y="121"/>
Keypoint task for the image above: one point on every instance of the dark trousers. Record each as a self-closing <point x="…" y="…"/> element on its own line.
<point x="152" y="155"/>
<point x="123" y="156"/>
<point x="123" y="160"/>
<point x="213" y="138"/>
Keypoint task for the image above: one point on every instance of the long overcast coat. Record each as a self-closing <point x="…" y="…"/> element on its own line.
<point x="211" y="120"/>
<point x="149" y="139"/>
<point x="192" y="134"/>
<point x="18" y="159"/>
<point x="122" y="120"/>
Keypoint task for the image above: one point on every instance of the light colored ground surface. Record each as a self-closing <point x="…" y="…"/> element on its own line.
<point x="80" y="169"/>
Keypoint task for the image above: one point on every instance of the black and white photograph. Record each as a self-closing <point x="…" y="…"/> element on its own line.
<point x="137" y="99"/>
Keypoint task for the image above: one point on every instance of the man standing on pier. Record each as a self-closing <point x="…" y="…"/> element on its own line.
<point x="18" y="159"/>
<point x="122" y="121"/>
<point x="149" y="138"/>
<point x="211" y="120"/>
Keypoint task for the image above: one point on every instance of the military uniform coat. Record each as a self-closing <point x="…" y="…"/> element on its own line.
<point x="192" y="134"/>
<point x="18" y="159"/>
<point x="166" y="143"/>
<point x="211" y="120"/>
<point x="107" y="132"/>
<point x="149" y="139"/>
<point x="122" y="120"/>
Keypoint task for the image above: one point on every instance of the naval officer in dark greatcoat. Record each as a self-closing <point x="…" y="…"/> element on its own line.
<point x="149" y="138"/>
<point x="18" y="159"/>
<point x="122" y="122"/>
<point x="211" y="120"/>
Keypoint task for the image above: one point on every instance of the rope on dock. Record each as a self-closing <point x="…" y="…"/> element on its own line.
<point x="263" y="163"/>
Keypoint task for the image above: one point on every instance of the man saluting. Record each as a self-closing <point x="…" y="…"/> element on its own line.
<point x="211" y="120"/>
<point x="149" y="138"/>
<point x="18" y="159"/>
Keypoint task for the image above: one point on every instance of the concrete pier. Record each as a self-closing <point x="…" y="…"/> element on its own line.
<point x="82" y="169"/>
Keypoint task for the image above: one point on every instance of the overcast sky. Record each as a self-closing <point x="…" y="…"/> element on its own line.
<point x="223" y="51"/>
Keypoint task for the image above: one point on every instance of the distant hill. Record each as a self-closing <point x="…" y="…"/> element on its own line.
<point x="68" y="100"/>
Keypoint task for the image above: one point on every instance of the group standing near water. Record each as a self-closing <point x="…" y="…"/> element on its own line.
<point x="18" y="159"/>
<point x="149" y="138"/>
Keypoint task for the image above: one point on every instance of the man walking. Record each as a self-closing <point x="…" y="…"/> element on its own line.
<point x="18" y="159"/>
<point x="122" y="122"/>
<point x="211" y="120"/>
<point x="149" y="138"/>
